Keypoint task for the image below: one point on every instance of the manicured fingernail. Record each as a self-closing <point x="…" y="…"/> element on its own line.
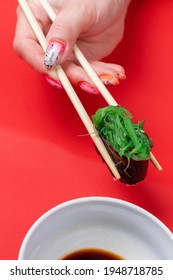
<point x="108" y="79"/>
<point x="88" y="87"/>
<point x="54" y="53"/>
<point x="121" y="76"/>
<point x="53" y="82"/>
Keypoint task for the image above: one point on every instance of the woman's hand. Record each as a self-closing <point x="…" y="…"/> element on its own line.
<point x="96" y="26"/>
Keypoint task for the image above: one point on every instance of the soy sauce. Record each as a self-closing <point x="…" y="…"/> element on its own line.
<point x="92" y="254"/>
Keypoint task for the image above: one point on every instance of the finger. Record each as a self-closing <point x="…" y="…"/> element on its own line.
<point x="109" y="73"/>
<point x="26" y="45"/>
<point x="63" y="33"/>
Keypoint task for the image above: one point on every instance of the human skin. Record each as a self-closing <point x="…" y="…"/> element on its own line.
<point x="95" y="26"/>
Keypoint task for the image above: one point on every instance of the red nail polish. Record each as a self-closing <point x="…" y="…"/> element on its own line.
<point x="53" y="82"/>
<point x="88" y="88"/>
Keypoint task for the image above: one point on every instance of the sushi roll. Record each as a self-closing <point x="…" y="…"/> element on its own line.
<point x="127" y="142"/>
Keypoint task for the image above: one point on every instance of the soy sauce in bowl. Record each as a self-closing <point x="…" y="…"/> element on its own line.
<point x="92" y="254"/>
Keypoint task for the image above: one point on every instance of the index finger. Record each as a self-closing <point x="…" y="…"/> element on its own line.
<point x="26" y="44"/>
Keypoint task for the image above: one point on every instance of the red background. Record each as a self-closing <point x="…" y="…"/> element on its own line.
<point x="44" y="161"/>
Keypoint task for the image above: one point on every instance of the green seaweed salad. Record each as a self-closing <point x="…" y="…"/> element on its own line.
<point x="126" y="138"/>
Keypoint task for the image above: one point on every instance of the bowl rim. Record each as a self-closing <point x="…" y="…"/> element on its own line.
<point x="86" y="199"/>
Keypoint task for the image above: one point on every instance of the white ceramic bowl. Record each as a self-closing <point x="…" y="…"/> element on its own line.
<point x="99" y="222"/>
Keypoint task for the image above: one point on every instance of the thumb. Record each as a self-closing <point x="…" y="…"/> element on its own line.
<point x="62" y="37"/>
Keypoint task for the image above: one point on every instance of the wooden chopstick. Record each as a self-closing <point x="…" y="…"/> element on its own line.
<point x="155" y="162"/>
<point x="91" y="73"/>
<point x="82" y="60"/>
<point x="70" y="92"/>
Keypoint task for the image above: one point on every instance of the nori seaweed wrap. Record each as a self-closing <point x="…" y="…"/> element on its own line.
<point x="127" y="143"/>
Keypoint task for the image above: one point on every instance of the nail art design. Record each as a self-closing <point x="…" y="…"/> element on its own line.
<point x="54" y="53"/>
<point x="108" y="79"/>
<point x="53" y="82"/>
<point x="121" y="76"/>
<point x="88" y="87"/>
